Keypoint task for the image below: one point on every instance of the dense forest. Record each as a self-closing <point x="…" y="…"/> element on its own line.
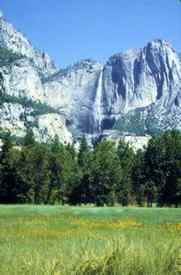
<point x="105" y="175"/>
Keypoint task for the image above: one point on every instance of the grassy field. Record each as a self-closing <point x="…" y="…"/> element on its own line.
<point x="84" y="240"/>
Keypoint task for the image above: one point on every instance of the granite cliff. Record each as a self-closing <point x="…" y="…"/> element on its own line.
<point x="136" y="93"/>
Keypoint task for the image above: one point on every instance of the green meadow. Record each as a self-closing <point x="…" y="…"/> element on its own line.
<point x="89" y="240"/>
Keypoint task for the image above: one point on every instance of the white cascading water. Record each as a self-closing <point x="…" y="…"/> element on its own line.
<point x="97" y="104"/>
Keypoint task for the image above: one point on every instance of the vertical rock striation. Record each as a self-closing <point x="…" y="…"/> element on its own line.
<point x="135" y="93"/>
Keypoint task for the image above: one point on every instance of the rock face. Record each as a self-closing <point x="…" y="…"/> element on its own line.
<point x="10" y="115"/>
<point x="17" y="43"/>
<point x="21" y="79"/>
<point x="51" y="125"/>
<point x="136" y="93"/>
<point x="76" y="92"/>
<point x="135" y="141"/>
<point x="23" y="70"/>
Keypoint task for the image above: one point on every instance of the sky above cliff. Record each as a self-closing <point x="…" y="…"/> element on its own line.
<point x="70" y="30"/>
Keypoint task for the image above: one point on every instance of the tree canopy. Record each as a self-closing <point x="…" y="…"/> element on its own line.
<point x="104" y="175"/>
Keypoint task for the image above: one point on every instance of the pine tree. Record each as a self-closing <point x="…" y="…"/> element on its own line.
<point x="55" y="167"/>
<point x="83" y="151"/>
<point x="8" y="173"/>
<point x="71" y="177"/>
<point x="139" y="178"/>
<point x="126" y="156"/>
<point x="162" y="166"/>
<point x="40" y="173"/>
<point x="105" y="173"/>
<point x="29" y="139"/>
<point x="25" y="170"/>
<point x="84" y="160"/>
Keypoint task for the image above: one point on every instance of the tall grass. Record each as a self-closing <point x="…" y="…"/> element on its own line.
<point x="132" y="259"/>
<point x="89" y="241"/>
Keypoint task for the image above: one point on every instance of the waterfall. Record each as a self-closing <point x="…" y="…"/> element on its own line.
<point x="97" y="104"/>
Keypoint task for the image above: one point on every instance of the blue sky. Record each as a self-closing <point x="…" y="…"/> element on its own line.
<point x="70" y="30"/>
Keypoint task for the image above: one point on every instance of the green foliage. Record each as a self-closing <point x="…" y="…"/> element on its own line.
<point x="157" y="172"/>
<point x="139" y="178"/>
<point x="162" y="166"/>
<point x="122" y="258"/>
<point x="70" y="178"/>
<point x="64" y="173"/>
<point x="136" y="122"/>
<point x="55" y="173"/>
<point x="55" y="168"/>
<point x="82" y="191"/>
<point x="152" y="126"/>
<point x="29" y="139"/>
<point x="83" y="151"/>
<point x="105" y="173"/>
<point x="9" y="184"/>
<point x="126" y="156"/>
<point x="8" y="56"/>
<point x="4" y="98"/>
<point x="133" y="122"/>
<point x="4" y="134"/>
<point x="14" y="139"/>
<point x="38" y="107"/>
<point x="89" y="240"/>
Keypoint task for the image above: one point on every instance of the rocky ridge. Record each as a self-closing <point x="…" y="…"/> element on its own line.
<point x="136" y="93"/>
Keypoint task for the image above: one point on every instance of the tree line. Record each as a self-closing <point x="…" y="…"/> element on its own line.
<point x="54" y="173"/>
